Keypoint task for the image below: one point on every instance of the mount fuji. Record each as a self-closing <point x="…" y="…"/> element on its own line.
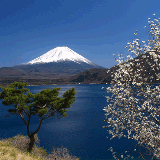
<point x="60" y="62"/>
<point x="60" y="54"/>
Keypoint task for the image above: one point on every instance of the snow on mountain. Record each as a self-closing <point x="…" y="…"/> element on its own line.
<point x="60" y="54"/>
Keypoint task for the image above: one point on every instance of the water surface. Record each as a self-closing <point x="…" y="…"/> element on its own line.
<point x="81" y="132"/>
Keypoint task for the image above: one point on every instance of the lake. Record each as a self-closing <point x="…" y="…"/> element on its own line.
<point x="81" y="132"/>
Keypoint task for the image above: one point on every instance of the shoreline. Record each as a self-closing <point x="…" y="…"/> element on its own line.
<point x="57" y="84"/>
<point x="5" y="85"/>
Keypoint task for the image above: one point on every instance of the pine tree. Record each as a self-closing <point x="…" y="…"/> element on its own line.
<point x="43" y="104"/>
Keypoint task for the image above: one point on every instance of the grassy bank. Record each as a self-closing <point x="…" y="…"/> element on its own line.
<point x="15" y="148"/>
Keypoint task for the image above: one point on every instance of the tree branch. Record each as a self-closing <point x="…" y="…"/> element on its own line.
<point x="23" y="118"/>
<point x="39" y="126"/>
<point x="49" y="115"/>
<point x="26" y="113"/>
<point x="29" y="118"/>
<point x="21" y="115"/>
<point x="153" y="117"/>
<point x="42" y="106"/>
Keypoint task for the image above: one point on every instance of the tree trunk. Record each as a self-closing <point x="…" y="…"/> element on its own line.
<point x="32" y="140"/>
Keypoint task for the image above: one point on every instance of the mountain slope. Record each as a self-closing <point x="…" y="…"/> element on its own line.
<point x="98" y="75"/>
<point x="60" y="54"/>
<point x="60" y="62"/>
<point x="94" y="75"/>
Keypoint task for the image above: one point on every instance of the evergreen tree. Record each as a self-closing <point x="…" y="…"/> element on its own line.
<point x="43" y="104"/>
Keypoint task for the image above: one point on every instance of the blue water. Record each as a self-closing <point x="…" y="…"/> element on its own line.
<point x="81" y="132"/>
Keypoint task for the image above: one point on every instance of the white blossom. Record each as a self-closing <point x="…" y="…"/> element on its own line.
<point x="127" y="111"/>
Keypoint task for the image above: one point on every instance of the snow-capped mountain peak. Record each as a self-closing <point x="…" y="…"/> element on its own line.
<point x="60" y="54"/>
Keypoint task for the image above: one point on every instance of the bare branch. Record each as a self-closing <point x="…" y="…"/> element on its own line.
<point x="38" y="126"/>
<point x="22" y="116"/>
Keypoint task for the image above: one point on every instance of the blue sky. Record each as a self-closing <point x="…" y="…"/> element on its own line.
<point x="95" y="29"/>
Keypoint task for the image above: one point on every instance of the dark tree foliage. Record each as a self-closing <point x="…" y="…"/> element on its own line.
<point x="43" y="104"/>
